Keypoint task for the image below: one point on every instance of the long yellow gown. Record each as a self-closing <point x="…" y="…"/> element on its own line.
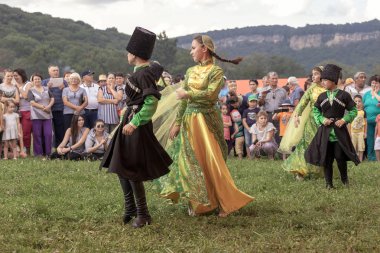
<point x="199" y="172"/>
<point x="301" y="136"/>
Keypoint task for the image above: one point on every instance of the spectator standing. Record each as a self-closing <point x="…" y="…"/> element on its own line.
<point x="273" y="99"/>
<point x="57" y="109"/>
<point x="74" y="100"/>
<point x="238" y="134"/>
<point x="371" y="101"/>
<point x="295" y="90"/>
<point x="253" y="83"/>
<point x="227" y="124"/>
<point x="2" y="108"/>
<point x="358" y="128"/>
<point x="120" y="85"/>
<point x="377" y="138"/>
<point x="91" y="88"/>
<point x="283" y="116"/>
<point x="24" y="85"/>
<point x="41" y="101"/>
<point x="249" y="118"/>
<point x="358" y="87"/>
<point x="109" y="96"/>
<point x="11" y="129"/>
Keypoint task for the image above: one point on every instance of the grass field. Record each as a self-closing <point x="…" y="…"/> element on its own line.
<point x="62" y="206"/>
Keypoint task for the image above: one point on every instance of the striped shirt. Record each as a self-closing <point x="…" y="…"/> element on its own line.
<point x="108" y="112"/>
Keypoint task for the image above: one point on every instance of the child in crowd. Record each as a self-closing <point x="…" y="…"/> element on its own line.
<point x="263" y="136"/>
<point x="283" y="115"/>
<point x="358" y="128"/>
<point x="238" y="134"/>
<point x="377" y="138"/>
<point x="1" y="123"/>
<point x="11" y="129"/>
<point x="332" y="140"/>
<point x="249" y="118"/>
<point x="227" y="123"/>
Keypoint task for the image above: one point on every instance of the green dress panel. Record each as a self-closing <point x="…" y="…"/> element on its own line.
<point x="296" y="163"/>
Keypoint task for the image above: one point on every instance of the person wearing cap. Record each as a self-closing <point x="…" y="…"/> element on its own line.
<point x="283" y="115"/>
<point x="202" y="150"/>
<point x="332" y="140"/>
<point x="134" y="153"/>
<point x="91" y="88"/>
<point x="303" y="132"/>
<point x="249" y="118"/>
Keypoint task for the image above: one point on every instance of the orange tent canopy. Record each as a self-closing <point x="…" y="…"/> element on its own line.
<point x="243" y="85"/>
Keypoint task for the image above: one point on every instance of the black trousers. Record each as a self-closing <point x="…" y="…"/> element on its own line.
<point x="334" y="151"/>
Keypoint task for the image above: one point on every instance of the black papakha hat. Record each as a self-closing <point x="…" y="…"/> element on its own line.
<point x="331" y="72"/>
<point x="141" y="43"/>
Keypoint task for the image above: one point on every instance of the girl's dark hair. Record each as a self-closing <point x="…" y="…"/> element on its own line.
<point x="22" y="73"/>
<point x="36" y="74"/>
<point x="254" y="81"/>
<point x="74" y="128"/>
<point x="373" y="78"/>
<point x="235" y="61"/>
<point x="358" y="96"/>
<point x="98" y="121"/>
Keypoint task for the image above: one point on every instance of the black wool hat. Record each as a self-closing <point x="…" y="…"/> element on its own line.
<point x="141" y="43"/>
<point x="331" y="72"/>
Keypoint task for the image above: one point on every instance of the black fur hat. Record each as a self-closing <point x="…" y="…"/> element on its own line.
<point x="331" y="72"/>
<point x="141" y="43"/>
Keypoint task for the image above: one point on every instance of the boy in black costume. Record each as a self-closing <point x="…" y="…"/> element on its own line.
<point x="332" y="140"/>
<point x="134" y="152"/>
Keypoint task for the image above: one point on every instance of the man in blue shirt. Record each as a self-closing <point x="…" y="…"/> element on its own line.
<point x="57" y="108"/>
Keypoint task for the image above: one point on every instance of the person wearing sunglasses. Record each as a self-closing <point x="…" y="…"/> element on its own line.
<point x="97" y="141"/>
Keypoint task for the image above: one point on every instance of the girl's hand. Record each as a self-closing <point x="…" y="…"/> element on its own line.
<point x="174" y="131"/>
<point x="182" y="94"/>
<point x="296" y="121"/>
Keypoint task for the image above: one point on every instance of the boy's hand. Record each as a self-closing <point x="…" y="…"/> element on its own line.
<point x="340" y="123"/>
<point x="327" y="122"/>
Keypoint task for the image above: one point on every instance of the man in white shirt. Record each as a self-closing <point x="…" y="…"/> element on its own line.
<point x="358" y="87"/>
<point x="91" y="110"/>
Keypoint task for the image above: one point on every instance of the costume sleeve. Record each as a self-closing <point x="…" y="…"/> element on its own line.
<point x="303" y="102"/>
<point x="317" y="112"/>
<point x="146" y="113"/>
<point x="351" y="107"/>
<point x="183" y="103"/>
<point x="215" y="83"/>
<point x="147" y="83"/>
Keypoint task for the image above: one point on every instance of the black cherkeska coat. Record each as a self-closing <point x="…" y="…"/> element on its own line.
<point x="137" y="157"/>
<point x="317" y="151"/>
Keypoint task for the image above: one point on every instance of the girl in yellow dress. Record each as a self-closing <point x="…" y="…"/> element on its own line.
<point x="199" y="172"/>
<point x="303" y="131"/>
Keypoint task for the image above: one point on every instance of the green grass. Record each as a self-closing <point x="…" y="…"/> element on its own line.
<point x="62" y="206"/>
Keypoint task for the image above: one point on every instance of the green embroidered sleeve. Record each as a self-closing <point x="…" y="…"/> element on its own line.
<point x="146" y="113"/>
<point x="304" y="101"/>
<point x="318" y="117"/>
<point x="350" y="115"/>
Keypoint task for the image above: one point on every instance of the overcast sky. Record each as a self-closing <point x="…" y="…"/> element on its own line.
<point x="182" y="17"/>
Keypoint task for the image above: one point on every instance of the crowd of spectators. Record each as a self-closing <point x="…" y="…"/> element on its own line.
<point x="71" y="117"/>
